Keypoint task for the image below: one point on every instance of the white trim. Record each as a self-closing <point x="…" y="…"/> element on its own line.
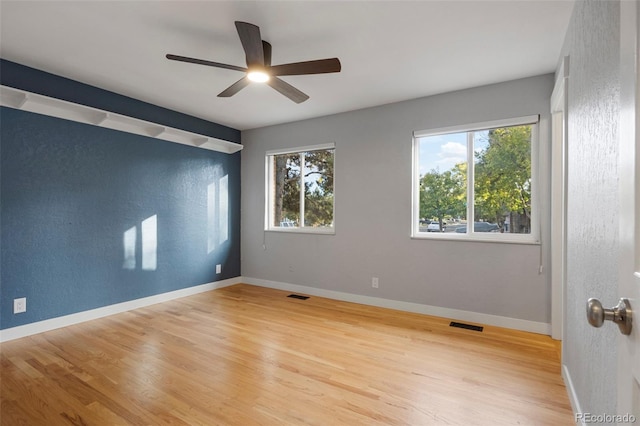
<point x="471" y="187"/>
<point x="485" y="125"/>
<point x="559" y="138"/>
<point x="558" y="204"/>
<point x="270" y="191"/>
<point x="627" y="368"/>
<point x="476" y="317"/>
<point x="40" y="104"/>
<point x="533" y="237"/>
<point x="303" y="230"/>
<point x="536" y="212"/>
<point x="299" y="149"/>
<point x="415" y="189"/>
<point x="571" y="392"/>
<point x="558" y="94"/>
<point x="479" y="237"/>
<point x="302" y="194"/>
<point x="79" y="317"/>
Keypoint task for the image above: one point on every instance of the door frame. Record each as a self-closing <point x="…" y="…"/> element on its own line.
<point x="628" y="362"/>
<point x="559" y="137"/>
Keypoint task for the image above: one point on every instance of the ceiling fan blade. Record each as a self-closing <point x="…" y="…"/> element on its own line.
<point x="251" y="42"/>
<point x="235" y="88"/>
<point x="203" y="62"/>
<point x="320" y="66"/>
<point x="266" y="49"/>
<point x="288" y="90"/>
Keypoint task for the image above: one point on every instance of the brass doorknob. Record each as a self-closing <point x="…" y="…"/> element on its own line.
<point x="621" y="314"/>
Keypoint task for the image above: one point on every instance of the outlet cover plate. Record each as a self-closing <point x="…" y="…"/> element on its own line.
<point x="20" y="305"/>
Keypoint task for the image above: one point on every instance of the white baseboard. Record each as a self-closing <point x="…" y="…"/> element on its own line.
<point x="573" y="396"/>
<point x="67" y="320"/>
<point x="494" y="320"/>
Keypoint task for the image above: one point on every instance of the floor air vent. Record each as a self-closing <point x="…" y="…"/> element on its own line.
<point x="467" y="326"/>
<point x="297" y="296"/>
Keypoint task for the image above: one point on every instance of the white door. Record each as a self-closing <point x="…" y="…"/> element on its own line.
<point x="629" y="231"/>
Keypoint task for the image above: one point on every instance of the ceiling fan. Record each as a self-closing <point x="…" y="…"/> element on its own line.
<point x="259" y="68"/>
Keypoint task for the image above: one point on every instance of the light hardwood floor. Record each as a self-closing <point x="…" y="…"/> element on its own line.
<point x="245" y="355"/>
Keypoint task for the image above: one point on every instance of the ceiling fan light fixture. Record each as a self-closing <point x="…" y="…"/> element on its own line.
<point x="258" y="76"/>
<point x="259" y="68"/>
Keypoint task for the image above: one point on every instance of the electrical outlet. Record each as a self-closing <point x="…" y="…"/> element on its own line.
<point x="218" y="269"/>
<point x="20" y="305"/>
<point x="374" y="282"/>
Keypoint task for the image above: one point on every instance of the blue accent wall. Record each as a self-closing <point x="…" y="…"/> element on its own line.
<point x="73" y="199"/>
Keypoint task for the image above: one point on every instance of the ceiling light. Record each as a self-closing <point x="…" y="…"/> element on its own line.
<point x="258" y="76"/>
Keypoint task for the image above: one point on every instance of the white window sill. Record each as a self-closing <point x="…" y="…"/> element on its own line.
<point x="478" y="238"/>
<point x="293" y="230"/>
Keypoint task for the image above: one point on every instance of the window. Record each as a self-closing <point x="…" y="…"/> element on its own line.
<point x="300" y="189"/>
<point x="482" y="174"/>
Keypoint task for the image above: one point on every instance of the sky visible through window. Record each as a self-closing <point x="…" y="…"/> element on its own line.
<point x="442" y="152"/>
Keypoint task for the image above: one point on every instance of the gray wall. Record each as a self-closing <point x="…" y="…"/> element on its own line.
<point x="592" y="42"/>
<point x="373" y="210"/>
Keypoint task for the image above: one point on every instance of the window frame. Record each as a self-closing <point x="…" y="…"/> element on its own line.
<point x="269" y="190"/>
<point x="532" y="238"/>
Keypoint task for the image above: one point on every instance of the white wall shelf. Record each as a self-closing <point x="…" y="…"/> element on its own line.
<point x="32" y="102"/>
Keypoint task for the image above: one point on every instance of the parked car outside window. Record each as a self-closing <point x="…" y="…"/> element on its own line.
<point x="481" y="227"/>
<point x="433" y="227"/>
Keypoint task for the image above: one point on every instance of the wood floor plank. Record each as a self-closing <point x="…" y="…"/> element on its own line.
<point x="246" y="355"/>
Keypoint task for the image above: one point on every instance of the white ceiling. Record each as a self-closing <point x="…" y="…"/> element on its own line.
<point x="390" y="50"/>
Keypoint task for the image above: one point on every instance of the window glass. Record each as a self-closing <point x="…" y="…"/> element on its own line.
<point x="300" y="190"/>
<point x="286" y="182"/>
<point x="443" y="182"/>
<point x="318" y="187"/>
<point x="502" y="187"/>
<point x="496" y="191"/>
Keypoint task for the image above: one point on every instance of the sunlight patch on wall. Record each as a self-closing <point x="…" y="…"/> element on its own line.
<point x="211" y="217"/>
<point x="149" y="230"/>
<point x="223" y="207"/>
<point x="150" y="243"/>
<point x="129" y="241"/>
<point x="217" y="213"/>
